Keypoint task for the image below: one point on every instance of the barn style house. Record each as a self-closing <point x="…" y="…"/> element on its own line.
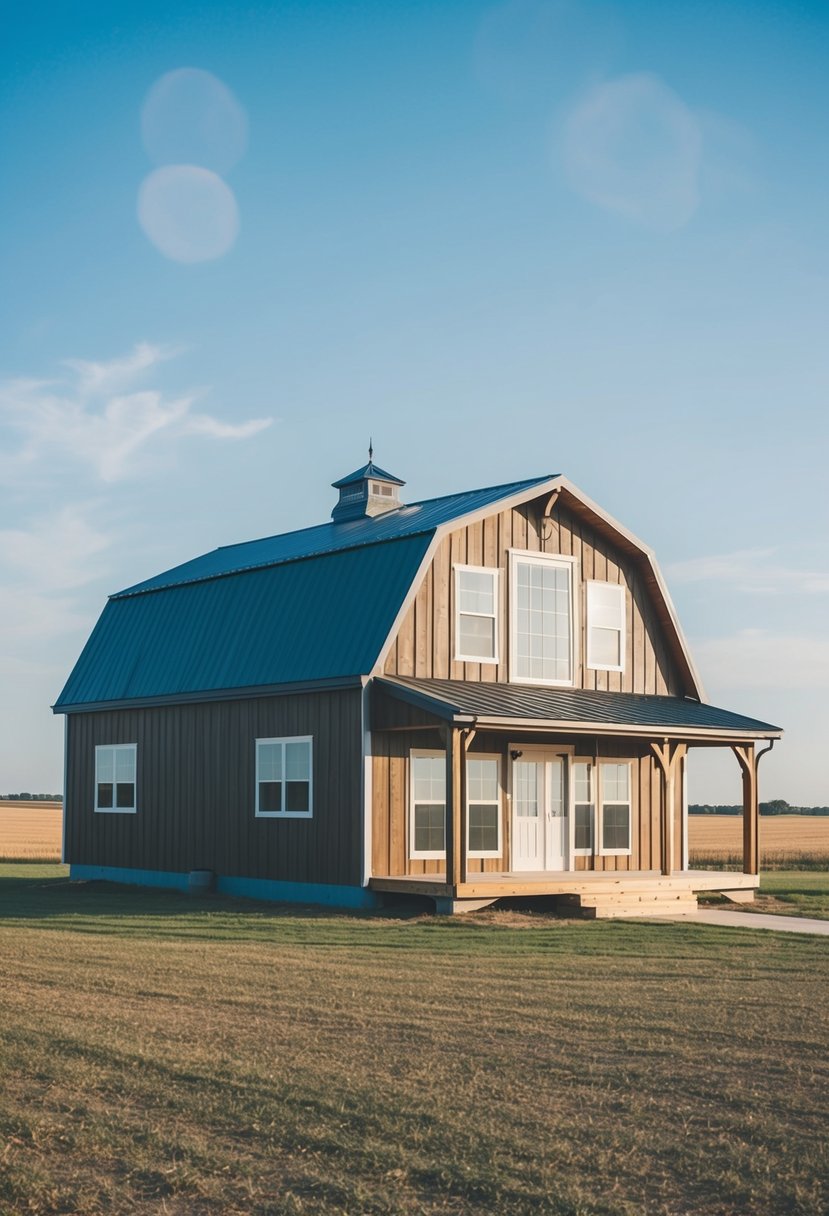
<point x="476" y="697"/>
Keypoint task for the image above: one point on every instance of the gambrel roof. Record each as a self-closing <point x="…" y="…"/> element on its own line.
<point x="314" y="607"/>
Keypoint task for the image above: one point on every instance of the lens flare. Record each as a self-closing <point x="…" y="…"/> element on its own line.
<point x="188" y="213"/>
<point x="191" y="117"/>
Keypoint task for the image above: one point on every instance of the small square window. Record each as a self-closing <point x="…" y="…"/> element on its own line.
<point x="284" y="778"/>
<point x="115" y="778"/>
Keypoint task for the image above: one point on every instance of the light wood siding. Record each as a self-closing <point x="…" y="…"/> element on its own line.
<point x="424" y="644"/>
<point x="196" y="790"/>
<point x="390" y="810"/>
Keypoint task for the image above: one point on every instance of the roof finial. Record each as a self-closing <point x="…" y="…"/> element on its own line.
<point x="370" y="450"/>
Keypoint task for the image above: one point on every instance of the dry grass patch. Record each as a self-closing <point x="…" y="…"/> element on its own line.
<point x="164" y="1055"/>
<point x="30" y="831"/>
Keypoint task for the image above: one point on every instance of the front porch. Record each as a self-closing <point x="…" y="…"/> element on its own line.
<point x="589" y="893"/>
<point x="483" y="792"/>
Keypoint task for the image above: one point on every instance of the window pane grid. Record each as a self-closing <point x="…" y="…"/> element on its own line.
<point x="616" y="810"/>
<point x="543" y="621"/>
<point x="115" y="777"/>
<point x="283" y="774"/>
<point x="428" y="783"/>
<point x="476" y="632"/>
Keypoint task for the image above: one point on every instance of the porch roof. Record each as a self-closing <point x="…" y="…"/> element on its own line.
<point x="574" y="710"/>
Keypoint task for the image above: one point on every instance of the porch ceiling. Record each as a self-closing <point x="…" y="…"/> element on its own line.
<point x="576" y="710"/>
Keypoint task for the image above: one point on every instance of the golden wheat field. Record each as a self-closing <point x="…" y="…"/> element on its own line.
<point x="782" y="837"/>
<point x="30" y="831"/>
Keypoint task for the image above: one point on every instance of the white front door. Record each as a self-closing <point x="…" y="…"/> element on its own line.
<point x="539" y="813"/>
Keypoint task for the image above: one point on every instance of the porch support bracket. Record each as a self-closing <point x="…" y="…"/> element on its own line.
<point x="749" y="761"/>
<point x="669" y="756"/>
<point x="458" y="740"/>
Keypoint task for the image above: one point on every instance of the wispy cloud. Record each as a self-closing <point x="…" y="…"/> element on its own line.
<point x="97" y="421"/>
<point x="759" y="658"/>
<point x="58" y="550"/>
<point x="42" y="565"/>
<point x="755" y="571"/>
<point x="632" y="146"/>
<point x="116" y="374"/>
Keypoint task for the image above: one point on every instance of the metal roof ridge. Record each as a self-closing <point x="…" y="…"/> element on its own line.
<point x="265" y="565"/>
<point x="130" y="592"/>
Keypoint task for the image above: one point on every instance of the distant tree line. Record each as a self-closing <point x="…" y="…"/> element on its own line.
<point x="777" y="806"/>
<point x="27" y="797"/>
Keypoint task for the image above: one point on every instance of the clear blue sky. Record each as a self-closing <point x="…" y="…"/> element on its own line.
<point x="504" y="239"/>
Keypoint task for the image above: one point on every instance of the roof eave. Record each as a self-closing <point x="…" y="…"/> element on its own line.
<point x="212" y="694"/>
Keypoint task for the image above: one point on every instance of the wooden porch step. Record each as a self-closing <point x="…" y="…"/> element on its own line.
<point x="607" y="904"/>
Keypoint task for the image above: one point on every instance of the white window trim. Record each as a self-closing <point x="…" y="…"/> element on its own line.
<point x="283" y="739"/>
<point x="601" y="851"/>
<point x="574" y="760"/>
<point x="427" y="854"/>
<point x="556" y="559"/>
<point x="499" y="851"/>
<point x="620" y="590"/>
<point x="118" y="810"/>
<point x="495" y="616"/>
<point x="440" y="855"/>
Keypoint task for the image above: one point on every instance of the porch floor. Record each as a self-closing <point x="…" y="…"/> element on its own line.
<point x="574" y="882"/>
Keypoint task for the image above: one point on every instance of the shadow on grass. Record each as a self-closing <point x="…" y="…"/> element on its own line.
<point x="43" y="897"/>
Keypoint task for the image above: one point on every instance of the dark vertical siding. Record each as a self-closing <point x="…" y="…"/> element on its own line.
<point x="196" y="795"/>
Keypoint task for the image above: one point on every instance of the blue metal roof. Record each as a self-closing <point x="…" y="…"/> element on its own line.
<point x="409" y="520"/>
<point x="296" y="622"/>
<point x="313" y="605"/>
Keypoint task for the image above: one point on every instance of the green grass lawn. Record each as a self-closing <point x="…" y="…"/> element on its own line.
<point x="795" y="893"/>
<point x="165" y="1055"/>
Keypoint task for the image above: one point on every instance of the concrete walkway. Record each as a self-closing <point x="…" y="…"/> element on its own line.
<point x="756" y="920"/>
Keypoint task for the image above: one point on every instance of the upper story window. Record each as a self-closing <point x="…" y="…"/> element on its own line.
<point x="115" y="777"/>
<point x="379" y="488"/>
<point x="284" y="778"/>
<point x="543" y="645"/>
<point x="476" y="614"/>
<point x="605" y="626"/>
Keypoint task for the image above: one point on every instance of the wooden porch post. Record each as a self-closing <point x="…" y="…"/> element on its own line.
<point x="457" y="741"/>
<point x="668" y="757"/>
<point x="747" y="758"/>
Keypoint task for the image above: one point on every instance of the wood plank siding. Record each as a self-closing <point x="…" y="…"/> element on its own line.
<point x="391" y="800"/>
<point x="196" y="789"/>
<point x="424" y="644"/>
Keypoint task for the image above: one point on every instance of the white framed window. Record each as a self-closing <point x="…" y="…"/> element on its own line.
<point x="284" y="778"/>
<point x="476" y="614"/>
<point x="115" y="778"/>
<point x="427" y="800"/>
<point x="543" y="625"/>
<point x="483" y="806"/>
<point x="584" y="807"/>
<point x="615" y="808"/>
<point x="380" y="490"/>
<point x="605" y="626"/>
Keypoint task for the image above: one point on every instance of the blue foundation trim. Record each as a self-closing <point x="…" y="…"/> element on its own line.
<point x="266" y="889"/>
<point x="298" y="892"/>
<point x="138" y="878"/>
